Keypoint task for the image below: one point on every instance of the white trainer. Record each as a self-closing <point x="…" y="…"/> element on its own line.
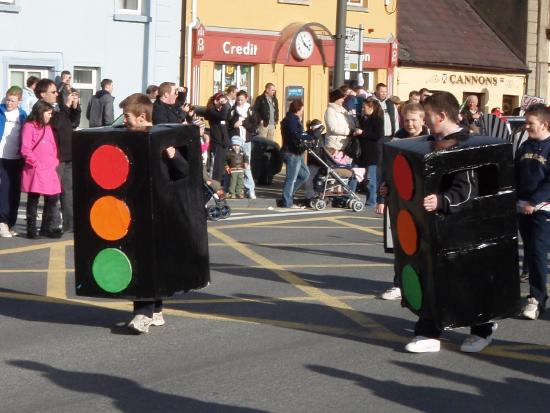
<point x="158" y="319"/>
<point x="5" y="231"/>
<point x="421" y="344"/>
<point x="140" y="323"/>
<point x="531" y="309"/>
<point x="475" y="344"/>
<point x="393" y="293"/>
<point x="13" y="232"/>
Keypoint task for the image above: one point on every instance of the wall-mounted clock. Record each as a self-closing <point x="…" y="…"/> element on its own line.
<point x="303" y="46"/>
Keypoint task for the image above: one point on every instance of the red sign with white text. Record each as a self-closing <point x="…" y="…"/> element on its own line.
<point x="245" y="48"/>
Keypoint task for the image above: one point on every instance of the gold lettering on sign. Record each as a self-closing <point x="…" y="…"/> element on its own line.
<point x="471" y="80"/>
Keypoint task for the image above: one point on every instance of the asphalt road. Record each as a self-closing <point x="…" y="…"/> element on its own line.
<point x="290" y="323"/>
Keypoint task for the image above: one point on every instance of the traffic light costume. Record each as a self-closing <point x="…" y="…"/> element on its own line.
<point x="140" y="229"/>
<point x="458" y="266"/>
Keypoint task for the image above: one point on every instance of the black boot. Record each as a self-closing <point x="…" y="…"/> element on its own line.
<point x="46" y="228"/>
<point x="31" y="227"/>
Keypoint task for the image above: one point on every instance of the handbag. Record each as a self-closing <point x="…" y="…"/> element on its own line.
<point x="353" y="148"/>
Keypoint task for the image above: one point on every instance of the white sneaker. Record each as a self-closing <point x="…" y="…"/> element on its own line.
<point x="393" y="293"/>
<point x="5" y="231"/>
<point x="474" y="344"/>
<point x="13" y="232"/>
<point x="420" y="344"/>
<point x="158" y="319"/>
<point x="531" y="309"/>
<point x="140" y="323"/>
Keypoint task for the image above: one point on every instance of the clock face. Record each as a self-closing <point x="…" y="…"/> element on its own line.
<point x="303" y="46"/>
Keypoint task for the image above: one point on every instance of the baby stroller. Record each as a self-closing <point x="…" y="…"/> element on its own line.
<point x="331" y="182"/>
<point x="215" y="204"/>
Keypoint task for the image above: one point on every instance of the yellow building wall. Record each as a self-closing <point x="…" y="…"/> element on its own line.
<point x="494" y="86"/>
<point x="274" y="16"/>
<point x="206" y="81"/>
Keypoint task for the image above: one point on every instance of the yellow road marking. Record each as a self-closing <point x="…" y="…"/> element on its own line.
<point x="296" y="227"/>
<point x="57" y="274"/>
<point x="305" y="244"/>
<point x="35" y="247"/>
<point x="363" y="265"/>
<point x="370" y="230"/>
<point x="281" y="222"/>
<point x="296" y="281"/>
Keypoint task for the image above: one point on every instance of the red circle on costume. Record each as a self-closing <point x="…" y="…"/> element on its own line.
<point x="406" y="232"/>
<point x="109" y="166"/>
<point x="403" y="177"/>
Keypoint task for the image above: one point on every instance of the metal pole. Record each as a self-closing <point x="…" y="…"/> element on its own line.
<point x="340" y="39"/>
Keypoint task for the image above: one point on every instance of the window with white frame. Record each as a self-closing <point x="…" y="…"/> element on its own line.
<point x="18" y="75"/>
<point x="85" y="80"/>
<point x="129" y="6"/>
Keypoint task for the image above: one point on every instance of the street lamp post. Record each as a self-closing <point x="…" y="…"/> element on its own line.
<point x="340" y="39"/>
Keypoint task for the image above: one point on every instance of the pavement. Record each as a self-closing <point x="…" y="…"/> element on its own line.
<point x="290" y="323"/>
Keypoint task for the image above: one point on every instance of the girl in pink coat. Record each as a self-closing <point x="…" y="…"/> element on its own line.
<point x="39" y="150"/>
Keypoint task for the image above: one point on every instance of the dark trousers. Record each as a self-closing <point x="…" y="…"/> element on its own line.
<point x="380" y="163"/>
<point x="427" y="328"/>
<point x="535" y="232"/>
<point x="148" y="307"/>
<point x="10" y="189"/>
<point x="65" y="172"/>
<point x="218" y="154"/>
<point x="48" y="212"/>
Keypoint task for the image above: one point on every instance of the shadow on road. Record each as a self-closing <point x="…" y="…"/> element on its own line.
<point x="512" y="395"/>
<point x="127" y="395"/>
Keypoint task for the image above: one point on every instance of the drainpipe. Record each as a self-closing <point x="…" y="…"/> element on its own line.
<point x="190" y="44"/>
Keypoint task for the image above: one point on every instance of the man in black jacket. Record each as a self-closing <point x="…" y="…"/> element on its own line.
<point x="100" y="111"/>
<point x="267" y="108"/>
<point x="66" y="118"/>
<point x="167" y="107"/>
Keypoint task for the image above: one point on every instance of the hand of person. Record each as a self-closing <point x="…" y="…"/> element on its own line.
<point x="171" y="152"/>
<point x="357" y="132"/>
<point x="430" y="203"/>
<point x="528" y="209"/>
<point x="379" y="208"/>
<point x="383" y="190"/>
<point x="186" y="107"/>
<point x="239" y="123"/>
<point x="476" y="115"/>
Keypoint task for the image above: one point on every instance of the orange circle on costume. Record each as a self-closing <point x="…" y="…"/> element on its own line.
<point x="403" y="177"/>
<point x="110" y="218"/>
<point x="406" y="232"/>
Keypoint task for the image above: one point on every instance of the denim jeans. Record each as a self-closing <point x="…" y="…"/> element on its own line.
<point x="371" y="186"/>
<point x="297" y="174"/>
<point x="248" y="179"/>
<point x="535" y="232"/>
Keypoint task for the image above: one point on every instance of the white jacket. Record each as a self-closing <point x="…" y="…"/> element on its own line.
<point x="339" y="126"/>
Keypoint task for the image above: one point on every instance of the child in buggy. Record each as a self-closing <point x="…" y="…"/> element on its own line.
<point x="335" y="180"/>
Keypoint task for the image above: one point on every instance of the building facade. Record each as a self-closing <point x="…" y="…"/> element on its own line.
<point x="460" y="52"/>
<point x="132" y="42"/>
<point x="286" y="42"/>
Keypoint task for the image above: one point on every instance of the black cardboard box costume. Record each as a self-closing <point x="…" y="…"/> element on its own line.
<point x="140" y="231"/>
<point x="460" y="268"/>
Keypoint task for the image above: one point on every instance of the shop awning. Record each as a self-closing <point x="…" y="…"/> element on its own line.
<point x="449" y="33"/>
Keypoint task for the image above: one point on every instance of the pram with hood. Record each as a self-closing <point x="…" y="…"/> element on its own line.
<point x="332" y="181"/>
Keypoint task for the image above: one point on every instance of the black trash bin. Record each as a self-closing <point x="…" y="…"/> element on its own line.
<point x="266" y="160"/>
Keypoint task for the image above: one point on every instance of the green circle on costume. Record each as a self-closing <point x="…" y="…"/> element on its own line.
<point x="112" y="270"/>
<point x="412" y="290"/>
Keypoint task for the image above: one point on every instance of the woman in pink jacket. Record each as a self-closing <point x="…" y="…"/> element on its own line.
<point x="39" y="149"/>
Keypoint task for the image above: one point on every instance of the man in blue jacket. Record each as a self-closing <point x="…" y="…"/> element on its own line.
<point x="533" y="187"/>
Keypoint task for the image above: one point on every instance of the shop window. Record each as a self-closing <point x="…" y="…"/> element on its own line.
<point x="18" y="75"/>
<point x="509" y="103"/>
<point x="85" y="80"/>
<point x="227" y="74"/>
